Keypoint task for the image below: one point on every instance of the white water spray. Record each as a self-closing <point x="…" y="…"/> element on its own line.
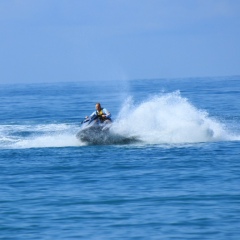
<point x="38" y="136"/>
<point x="168" y="119"/>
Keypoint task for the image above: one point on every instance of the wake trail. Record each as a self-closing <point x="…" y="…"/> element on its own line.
<point x="38" y="136"/>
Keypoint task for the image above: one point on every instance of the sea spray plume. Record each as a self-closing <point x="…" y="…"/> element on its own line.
<point x="167" y="118"/>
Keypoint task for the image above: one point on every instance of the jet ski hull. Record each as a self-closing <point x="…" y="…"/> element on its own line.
<point x="101" y="135"/>
<point x="93" y="135"/>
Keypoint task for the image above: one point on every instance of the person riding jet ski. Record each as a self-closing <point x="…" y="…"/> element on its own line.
<point x="101" y="115"/>
<point x="95" y="128"/>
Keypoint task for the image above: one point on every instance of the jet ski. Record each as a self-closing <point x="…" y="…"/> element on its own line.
<point x="95" y="132"/>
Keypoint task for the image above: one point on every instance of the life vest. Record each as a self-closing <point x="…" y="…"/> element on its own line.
<point x="100" y="113"/>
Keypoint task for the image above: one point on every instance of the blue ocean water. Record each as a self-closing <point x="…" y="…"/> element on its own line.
<point x="181" y="180"/>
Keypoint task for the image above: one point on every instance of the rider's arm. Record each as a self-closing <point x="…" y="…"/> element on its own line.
<point x="92" y="115"/>
<point x="106" y="113"/>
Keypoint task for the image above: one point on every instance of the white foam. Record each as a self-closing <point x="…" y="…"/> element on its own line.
<point x="39" y="136"/>
<point x="55" y="140"/>
<point x="169" y="118"/>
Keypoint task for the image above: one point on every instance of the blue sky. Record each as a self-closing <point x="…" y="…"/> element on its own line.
<point x="84" y="40"/>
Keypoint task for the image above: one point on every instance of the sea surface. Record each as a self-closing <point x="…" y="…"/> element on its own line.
<point x="179" y="180"/>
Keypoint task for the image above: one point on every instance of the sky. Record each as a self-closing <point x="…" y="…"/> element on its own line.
<point x="113" y="40"/>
